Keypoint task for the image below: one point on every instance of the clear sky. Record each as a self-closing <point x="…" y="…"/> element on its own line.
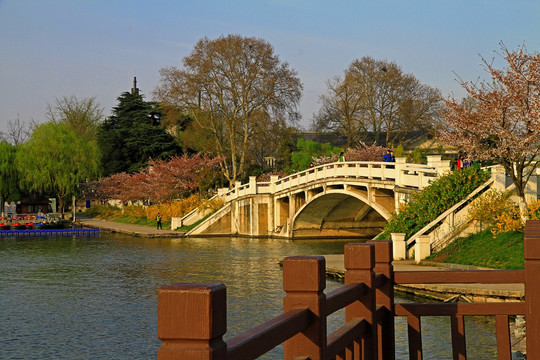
<point x="55" y="48"/>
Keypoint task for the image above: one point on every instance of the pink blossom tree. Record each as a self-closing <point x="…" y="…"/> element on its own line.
<point x="162" y="180"/>
<point x="500" y="119"/>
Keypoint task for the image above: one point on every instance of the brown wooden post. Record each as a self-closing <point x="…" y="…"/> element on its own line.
<point x="192" y="321"/>
<point x="304" y="280"/>
<point x="359" y="264"/>
<point x="459" y="348"/>
<point x="504" y="344"/>
<point x="532" y="290"/>
<point x="385" y="297"/>
<point x="414" y="333"/>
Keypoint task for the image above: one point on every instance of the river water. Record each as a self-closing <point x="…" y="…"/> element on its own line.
<point x="96" y="297"/>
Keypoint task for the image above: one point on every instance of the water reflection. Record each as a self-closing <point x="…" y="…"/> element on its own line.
<point x="96" y="297"/>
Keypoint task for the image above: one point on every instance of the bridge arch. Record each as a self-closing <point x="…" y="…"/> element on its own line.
<point x="338" y="213"/>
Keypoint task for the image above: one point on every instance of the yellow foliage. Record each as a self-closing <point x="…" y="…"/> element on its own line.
<point x="211" y="205"/>
<point x="509" y="220"/>
<point x="177" y="208"/>
<point x="534" y="210"/>
<point x="497" y="211"/>
<point x="489" y="206"/>
<point x="136" y="211"/>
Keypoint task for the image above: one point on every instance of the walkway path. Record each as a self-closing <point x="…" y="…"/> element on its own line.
<point x="130" y="229"/>
<point x="446" y="292"/>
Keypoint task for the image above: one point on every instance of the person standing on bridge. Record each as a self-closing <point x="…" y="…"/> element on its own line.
<point x="388" y="156"/>
<point x="341" y="157"/>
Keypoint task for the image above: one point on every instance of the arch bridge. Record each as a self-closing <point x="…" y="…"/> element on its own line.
<point x="343" y="199"/>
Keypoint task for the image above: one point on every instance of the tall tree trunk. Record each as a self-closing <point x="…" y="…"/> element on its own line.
<point x="522" y="203"/>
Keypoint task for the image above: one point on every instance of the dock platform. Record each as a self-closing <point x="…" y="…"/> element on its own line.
<point x="48" y="232"/>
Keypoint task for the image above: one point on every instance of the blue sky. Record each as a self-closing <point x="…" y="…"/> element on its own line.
<point x="56" y="48"/>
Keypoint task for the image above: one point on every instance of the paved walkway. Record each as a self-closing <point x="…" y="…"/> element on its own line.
<point x="130" y="229"/>
<point x="473" y="292"/>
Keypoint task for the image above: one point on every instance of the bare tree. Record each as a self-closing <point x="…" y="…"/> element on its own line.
<point x="81" y="115"/>
<point x="227" y="86"/>
<point x="340" y="109"/>
<point x="376" y="97"/>
<point x="19" y="132"/>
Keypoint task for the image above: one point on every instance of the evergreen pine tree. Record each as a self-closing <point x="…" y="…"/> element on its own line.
<point x="133" y="135"/>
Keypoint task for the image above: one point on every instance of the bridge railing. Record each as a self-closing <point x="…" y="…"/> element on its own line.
<point x="192" y="318"/>
<point x="442" y="230"/>
<point x="404" y="174"/>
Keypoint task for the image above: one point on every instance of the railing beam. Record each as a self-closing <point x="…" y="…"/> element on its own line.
<point x="459" y="277"/>
<point x="450" y="309"/>
<point x="263" y="338"/>
<point x="343" y="296"/>
<point x="345" y="336"/>
<point x="459" y="348"/>
<point x="414" y="333"/>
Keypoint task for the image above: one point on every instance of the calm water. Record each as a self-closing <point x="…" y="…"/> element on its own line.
<point x="96" y="297"/>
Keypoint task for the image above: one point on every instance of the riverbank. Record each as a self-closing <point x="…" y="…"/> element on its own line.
<point x="128" y="229"/>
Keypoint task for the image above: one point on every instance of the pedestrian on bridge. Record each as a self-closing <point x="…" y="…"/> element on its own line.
<point x="389" y="156"/>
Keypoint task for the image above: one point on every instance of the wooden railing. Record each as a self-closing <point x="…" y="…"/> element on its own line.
<point x="191" y="318"/>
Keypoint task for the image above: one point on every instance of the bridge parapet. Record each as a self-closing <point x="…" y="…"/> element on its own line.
<point x="404" y="174"/>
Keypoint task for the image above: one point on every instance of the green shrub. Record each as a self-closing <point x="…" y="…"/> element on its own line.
<point x="426" y="205"/>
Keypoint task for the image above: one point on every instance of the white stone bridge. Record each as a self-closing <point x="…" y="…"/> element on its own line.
<point x="343" y="199"/>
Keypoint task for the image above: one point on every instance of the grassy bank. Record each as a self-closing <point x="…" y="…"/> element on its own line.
<point x="502" y="252"/>
<point x="141" y="221"/>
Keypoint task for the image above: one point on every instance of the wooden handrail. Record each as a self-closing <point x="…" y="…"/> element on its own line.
<point x="344" y="336"/>
<point x="263" y="338"/>
<point x="343" y="296"/>
<point x="459" y="277"/>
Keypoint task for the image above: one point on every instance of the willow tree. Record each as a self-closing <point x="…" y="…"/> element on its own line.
<point x="500" y="119"/>
<point x="8" y="174"/>
<point x="228" y="86"/>
<point x="55" y="160"/>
